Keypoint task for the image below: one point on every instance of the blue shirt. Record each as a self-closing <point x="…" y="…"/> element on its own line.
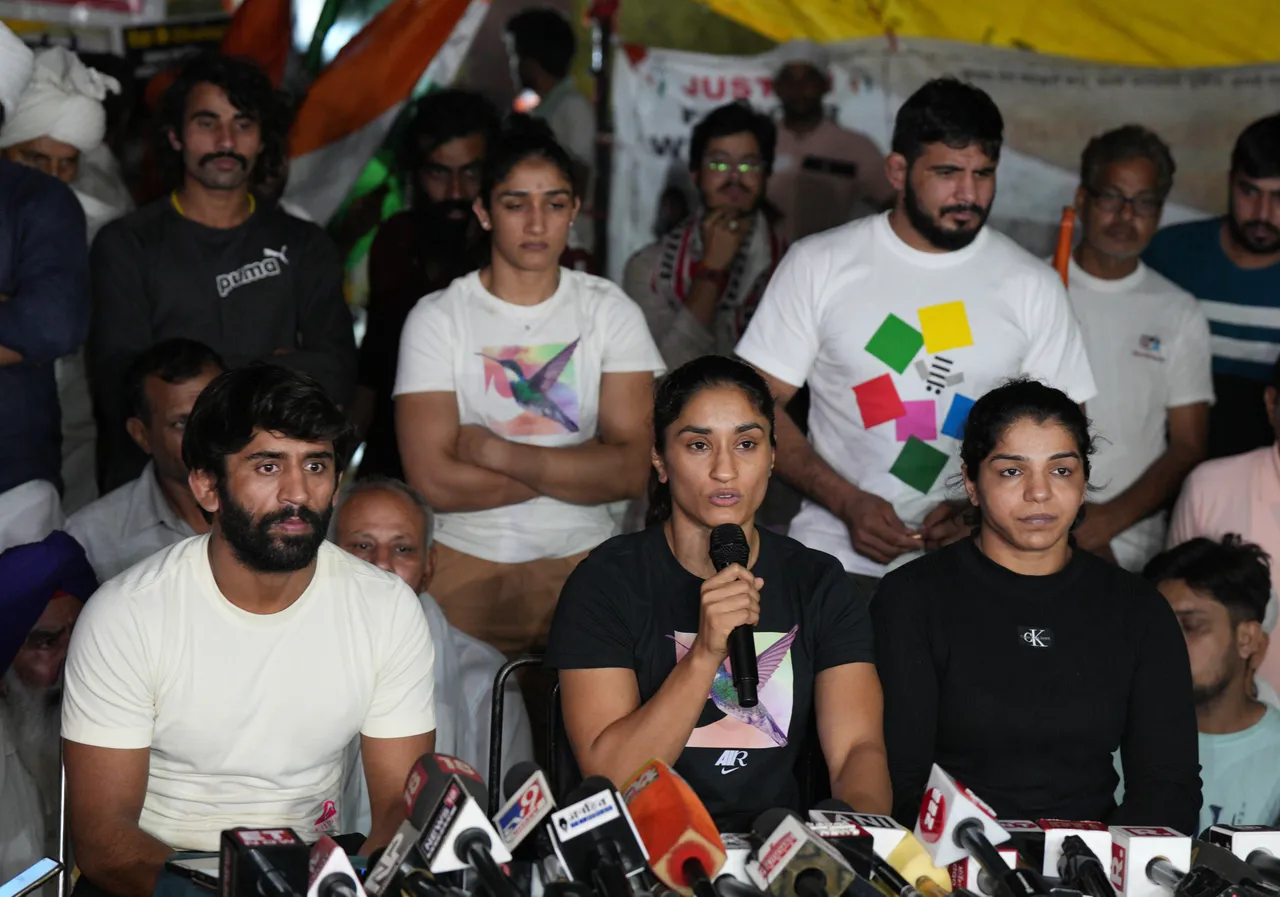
<point x="44" y="315"/>
<point x="1243" y="306"/>
<point x="1241" y="775"/>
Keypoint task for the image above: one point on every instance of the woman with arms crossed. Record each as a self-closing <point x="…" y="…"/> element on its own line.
<point x="1019" y="663"/>
<point x="641" y="632"/>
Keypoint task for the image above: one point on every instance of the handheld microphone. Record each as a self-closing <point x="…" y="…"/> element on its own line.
<point x="729" y="546"/>
<point x="792" y="861"/>
<point x="684" y="847"/>
<point x="596" y="840"/>
<point x="262" y="863"/>
<point x="330" y="873"/>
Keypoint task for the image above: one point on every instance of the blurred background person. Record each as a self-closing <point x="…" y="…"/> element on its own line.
<point x="420" y="251"/>
<point x="824" y="175"/>
<point x="699" y="284"/>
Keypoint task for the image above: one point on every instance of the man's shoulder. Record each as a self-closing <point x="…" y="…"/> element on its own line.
<point x="1212" y="476"/>
<point x="362" y="581"/>
<point x="1186" y="233"/>
<point x="147" y="221"/>
<point x="111" y="510"/>
<point x="844" y="245"/>
<point x="1002" y="250"/>
<point x="155" y="584"/>
<point x="643" y="259"/>
<point x="1155" y="283"/>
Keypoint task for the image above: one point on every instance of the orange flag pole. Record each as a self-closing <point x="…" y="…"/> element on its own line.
<point x="1066" y="230"/>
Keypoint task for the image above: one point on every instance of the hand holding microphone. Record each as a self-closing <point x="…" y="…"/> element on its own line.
<point x="730" y="610"/>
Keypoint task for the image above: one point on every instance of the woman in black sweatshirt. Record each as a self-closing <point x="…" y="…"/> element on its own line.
<point x="1018" y="662"/>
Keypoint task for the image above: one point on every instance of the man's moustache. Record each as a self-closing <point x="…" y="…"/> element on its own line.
<point x="213" y="157"/>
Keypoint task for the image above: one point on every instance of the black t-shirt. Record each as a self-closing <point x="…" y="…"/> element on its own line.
<point x="1022" y="687"/>
<point x="631" y="604"/>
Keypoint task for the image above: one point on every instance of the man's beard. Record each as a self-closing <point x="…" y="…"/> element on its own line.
<point x="1205" y="695"/>
<point x="257" y="548"/>
<point x="213" y="179"/>
<point x="35" y="716"/>
<point x="1265" y="244"/>
<point x="445" y="234"/>
<point x="928" y="227"/>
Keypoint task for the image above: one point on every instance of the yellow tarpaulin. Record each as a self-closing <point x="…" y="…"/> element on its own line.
<point x="1178" y="33"/>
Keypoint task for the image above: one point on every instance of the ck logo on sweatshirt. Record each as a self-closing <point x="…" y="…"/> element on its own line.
<point x="1036" y="637"/>
<point x="271" y="265"/>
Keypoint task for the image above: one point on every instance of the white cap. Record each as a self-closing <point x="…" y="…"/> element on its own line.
<point x="16" y="61"/>
<point x="805" y="52"/>
<point x="63" y="100"/>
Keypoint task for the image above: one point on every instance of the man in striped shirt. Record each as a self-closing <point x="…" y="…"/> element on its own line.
<point x="1232" y="265"/>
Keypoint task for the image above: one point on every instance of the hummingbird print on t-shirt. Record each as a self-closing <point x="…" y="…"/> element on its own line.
<point x="531" y="393"/>
<point x="725" y="696"/>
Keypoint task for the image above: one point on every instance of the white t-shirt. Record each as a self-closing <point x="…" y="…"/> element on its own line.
<point x="531" y="374"/>
<point x="896" y="345"/>
<point x="246" y="715"/>
<point x="1148" y="346"/>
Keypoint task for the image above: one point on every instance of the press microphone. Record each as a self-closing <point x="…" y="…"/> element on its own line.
<point x="388" y="864"/>
<point x="1133" y="850"/>
<point x="1079" y="867"/>
<point x="685" y="850"/>
<point x="528" y="803"/>
<point x="596" y="839"/>
<point x="406" y="878"/>
<point x="729" y="546"/>
<point x="330" y="873"/>
<point x="1257" y="845"/>
<point x="791" y="861"/>
<point x="1095" y="836"/>
<point x="898" y="860"/>
<point x="262" y="863"/>
<point x="955" y="822"/>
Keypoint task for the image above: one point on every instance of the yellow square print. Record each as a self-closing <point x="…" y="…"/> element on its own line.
<point x="945" y="326"/>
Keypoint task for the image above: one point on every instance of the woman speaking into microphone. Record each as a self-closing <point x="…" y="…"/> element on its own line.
<point x="641" y="635"/>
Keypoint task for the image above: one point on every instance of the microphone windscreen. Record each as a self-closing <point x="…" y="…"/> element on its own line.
<point x="516" y="777"/>
<point x="587" y="787"/>
<point x="729" y="546"/>
<point x="674" y="825"/>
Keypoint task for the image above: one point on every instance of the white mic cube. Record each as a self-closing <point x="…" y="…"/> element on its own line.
<point x="1094" y="834"/>
<point x="946" y="804"/>
<point x="885" y="832"/>
<point x="1134" y="847"/>
<point x="1243" y="840"/>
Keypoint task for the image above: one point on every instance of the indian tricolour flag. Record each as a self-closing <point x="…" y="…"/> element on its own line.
<point x="351" y="106"/>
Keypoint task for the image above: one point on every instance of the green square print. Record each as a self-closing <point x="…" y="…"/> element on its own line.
<point x="896" y="343"/>
<point x="918" y="465"/>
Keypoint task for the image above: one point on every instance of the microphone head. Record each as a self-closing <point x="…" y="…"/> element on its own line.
<point x="674" y="825"/>
<point x="788" y="850"/>
<point x="833" y="805"/>
<point x="516" y="777"/>
<point x="729" y="546"/>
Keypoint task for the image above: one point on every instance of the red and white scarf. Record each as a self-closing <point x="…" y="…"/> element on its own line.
<point x="749" y="273"/>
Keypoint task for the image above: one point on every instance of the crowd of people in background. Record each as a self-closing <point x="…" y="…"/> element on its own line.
<point x="965" y="434"/>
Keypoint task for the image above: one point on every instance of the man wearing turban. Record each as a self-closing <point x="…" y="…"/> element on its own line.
<point x="58" y="121"/>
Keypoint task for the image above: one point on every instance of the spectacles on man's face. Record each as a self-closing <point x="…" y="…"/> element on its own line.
<point x="742" y="167"/>
<point x="1113" y="203"/>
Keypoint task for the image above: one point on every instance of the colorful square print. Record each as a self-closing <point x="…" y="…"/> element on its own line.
<point x="957" y="414"/>
<point x="895" y="343"/>
<point x="878" y="401"/>
<point x="766" y="725"/>
<point x="918" y="465"/>
<point x="945" y="326"/>
<point x="538" y="384"/>
<point x="920" y="421"/>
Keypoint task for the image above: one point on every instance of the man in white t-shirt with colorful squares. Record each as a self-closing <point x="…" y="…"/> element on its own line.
<point x="217" y="683"/>
<point x="899" y="323"/>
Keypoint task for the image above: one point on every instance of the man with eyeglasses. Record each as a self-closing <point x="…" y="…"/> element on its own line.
<point x="825" y="175"/>
<point x="1148" y="344"/>
<point x="700" y="283"/>
<point x="1232" y="265"/>
<point x="420" y="251"/>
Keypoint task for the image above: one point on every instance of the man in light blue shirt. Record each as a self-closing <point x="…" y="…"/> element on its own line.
<point x="1219" y="591"/>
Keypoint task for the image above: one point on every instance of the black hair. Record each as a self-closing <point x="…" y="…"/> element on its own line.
<point x="1121" y="144"/>
<point x="1235" y="572"/>
<point x="546" y="37"/>
<point x="249" y="90"/>
<point x="1020" y="399"/>
<point x="173" y="361"/>
<point x="521" y="138"/>
<point x="676" y="390"/>
<point x="734" y="118"/>
<point x="241" y="402"/>
<point x="948" y="111"/>
<point x="445" y="115"/>
<point x="1257" y="149"/>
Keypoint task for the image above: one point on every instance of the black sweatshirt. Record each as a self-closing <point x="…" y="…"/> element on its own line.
<point x="271" y="283"/>
<point x="1022" y="687"/>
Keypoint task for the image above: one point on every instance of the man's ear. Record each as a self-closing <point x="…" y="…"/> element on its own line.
<point x="138" y="433"/>
<point x="429" y="568"/>
<point x="204" y="486"/>
<point x="174" y="141"/>
<point x="1251" y="643"/>
<point x="895" y="169"/>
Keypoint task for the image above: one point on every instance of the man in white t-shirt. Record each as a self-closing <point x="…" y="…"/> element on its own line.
<point x="898" y="323"/>
<point x="1148" y="346"/>
<point x="218" y="683"/>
